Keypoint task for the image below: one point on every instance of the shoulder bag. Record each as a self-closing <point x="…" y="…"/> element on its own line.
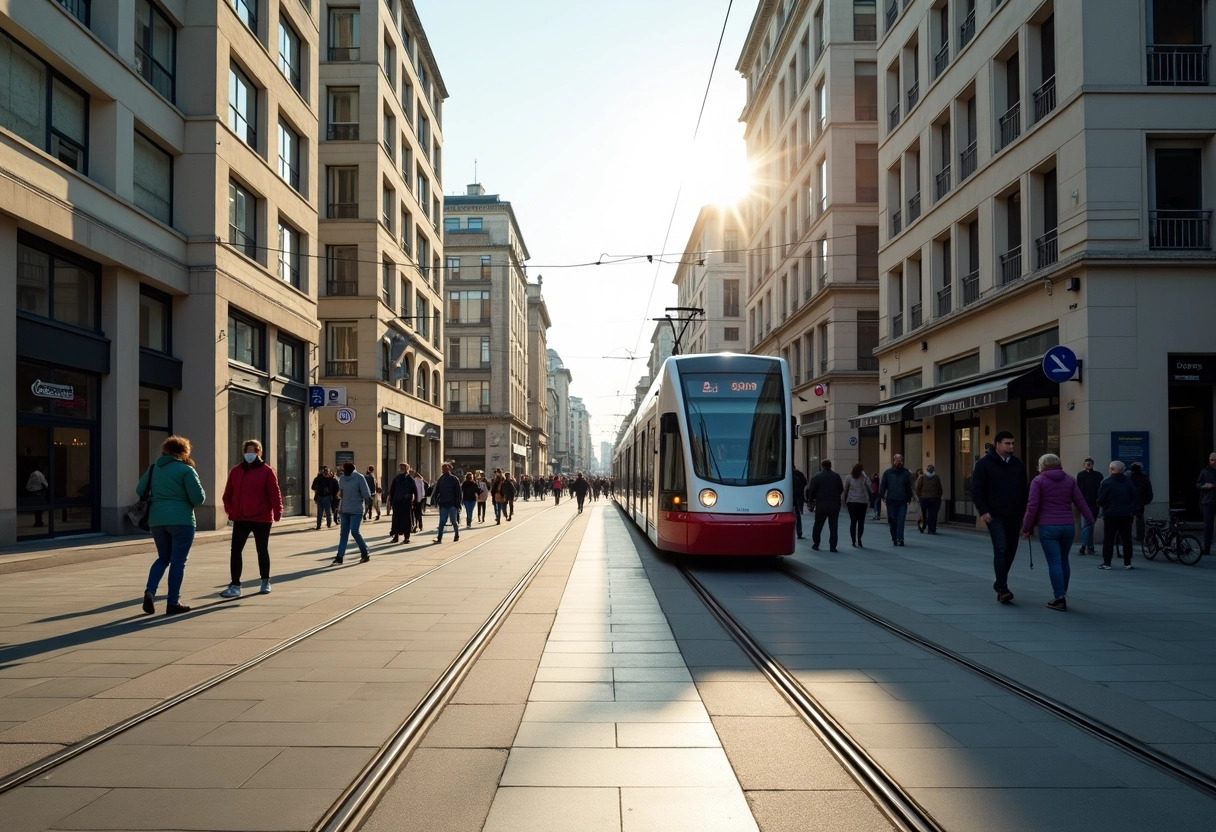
<point x="138" y="512"/>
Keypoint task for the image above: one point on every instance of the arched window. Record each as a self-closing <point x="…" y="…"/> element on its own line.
<point x="435" y="387"/>
<point x="424" y="378"/>
<point x="407" y="364"/>
<point x="386" y="362"/>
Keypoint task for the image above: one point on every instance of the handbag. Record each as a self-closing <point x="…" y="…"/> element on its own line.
<point x="138" y="512"/>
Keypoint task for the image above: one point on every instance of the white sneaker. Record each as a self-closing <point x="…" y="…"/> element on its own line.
<point x="265" y="587"/>
<point x="231" y="592"/>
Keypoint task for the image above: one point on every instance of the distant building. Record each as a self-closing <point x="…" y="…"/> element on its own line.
<point x="711" y="277"/>
<point x="538" y="380"/>
<point x="561" y="450"/>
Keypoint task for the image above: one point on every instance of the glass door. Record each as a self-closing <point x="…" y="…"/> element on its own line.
<point x="55" y="481"/>
<point x="965" y="449"/>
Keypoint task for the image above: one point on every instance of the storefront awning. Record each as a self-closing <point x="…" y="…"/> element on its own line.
<point x="975" y="396"/>
<point x="881" y="416"/>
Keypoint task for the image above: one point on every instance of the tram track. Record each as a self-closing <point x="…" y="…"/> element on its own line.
<point x="348" y="810"/>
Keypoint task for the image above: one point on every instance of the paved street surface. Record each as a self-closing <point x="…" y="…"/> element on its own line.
<point x="610" y="699"/>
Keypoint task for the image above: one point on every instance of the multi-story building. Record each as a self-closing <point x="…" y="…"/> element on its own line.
<point x="580" y="436"/>
<point x="161" y="225"/>
<point x="537" y="462"/>
<point x="380" y="186"/>
<point x="1047" y="177"/>
<point x="558" y="389"/>
<point x="710" y="278"/>
<point x="811" y="289"/>
<point x="487" y="423"/>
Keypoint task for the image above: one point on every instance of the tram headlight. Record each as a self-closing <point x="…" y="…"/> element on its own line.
<point x="709" y="497"/>
<point x="774" y="498"/>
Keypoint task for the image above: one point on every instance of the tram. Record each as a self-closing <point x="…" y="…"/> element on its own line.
<point x="706" y="465"/>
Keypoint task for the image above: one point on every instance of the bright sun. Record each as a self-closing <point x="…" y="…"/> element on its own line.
<point x="718" y="170"/>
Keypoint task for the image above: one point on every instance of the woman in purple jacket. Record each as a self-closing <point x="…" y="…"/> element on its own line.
<point x="1053" y="494"/>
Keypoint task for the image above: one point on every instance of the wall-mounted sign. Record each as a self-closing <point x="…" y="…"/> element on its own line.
<point x="62" y="392"/>
<point x="392" y="420"/>
<point x="1130" y="446"/>
<point x="1192" y="369"/>
<point x="335" y="397"/>
<point x="1059" y="363"/>
<point x="316" y="396"/>
<point x="345" y="416"/>
<point x="432" y="431"/>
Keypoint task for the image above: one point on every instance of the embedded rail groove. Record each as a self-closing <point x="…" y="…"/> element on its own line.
<point x="1145" y="753"/>
<point x="52" y="761"/>
<point x="895" y="804"/>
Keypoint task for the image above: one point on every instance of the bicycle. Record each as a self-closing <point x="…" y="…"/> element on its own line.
<point x="1169" y="539"/>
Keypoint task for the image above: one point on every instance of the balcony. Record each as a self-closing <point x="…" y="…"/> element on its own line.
<point x="1047" y="250"/>
<point x="971" y="288"/>
<point x="942" y="183"/>
<point x="343" y="53"/>
<point x="944" y="301"/>
<point x="1011" y="265"/>
<point x="1178" y="65"/>
<point x="865" y="31"/>
<point x="913" y="95"/>
<point x="897" y="222"/>
<point x="967" y="161"/>
<point x="913" y="207"/>
<point x="941" y="60"/>
<point x="1010" y="125"/>
<point x="345" y="368"/>
<point x="342" y="211"/>
<point x="916" y="312"/>
<point x="150" y="69"/>
<point x="893" y="117"/>
<point x="79" y="9"/>
<point x="1045" y="99"/>
<point x="1182" y="230"/>
<point x="341" y="288"/>
<point x="966" y="31"/>
<point x="343" y="131"/>
<point x="897" y="325"/>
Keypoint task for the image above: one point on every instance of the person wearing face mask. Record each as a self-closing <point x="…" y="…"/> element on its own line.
<point x="253" y="502"/>
<point x="929" y="493"/>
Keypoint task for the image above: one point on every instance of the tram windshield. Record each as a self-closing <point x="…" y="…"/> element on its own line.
<point x="737" y="426"/>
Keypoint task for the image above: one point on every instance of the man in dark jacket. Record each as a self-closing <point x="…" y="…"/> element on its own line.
<point x="446" y="495"/>
<point x="322" y="494"/>
<point x="825" y="492"/>
<point x="1089" y="481"/>
<point x="580" y="490"/>
<point x="799" y="499"/>
<point x="896" y="488"/>
<point x="1144" y="491"/>
<point x="1118" y="500"/>
<point x="1206" y="483"/>
<point x="998" y="490"/>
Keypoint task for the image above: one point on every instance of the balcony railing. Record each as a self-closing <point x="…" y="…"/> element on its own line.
<point x="1172" y="64"/>
<point x="966" y="31"/>
<point x="916" y="311"/>
<point x="348" y="368"/>
<point x="892" y="13"/>
<point x="343" y="53"/>
<point x="865" y="112"/>
<point x="944" y="301"/>
<point x="941" y="60"/>
<point x="1045" y="99"/>
<point x="1180" y="229"/>
<point x="1011" y="124"/>
<point x="971" y="288"/>
<point x="913" y="95"/>
<point x="867" y="363"/>
<point x="865" y="31"/>
<point x="341" y="288"/>
<point x="343" y="131"/>
<point x="942" y="183"/>
<point x="893" y="117"/>
<point x="1047" y="250"/>
<point x="343" y="211"/>
<point x="913" y="207"/>
<point x="897" y="222"/>
<point x="1011" y="265"/>
<point x="79" y="9"/>
<point x="967" y="161"/>
<point x="897" y="325"/>
<point x="158" y="76"/>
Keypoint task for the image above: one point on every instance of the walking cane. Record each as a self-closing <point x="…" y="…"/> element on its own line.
<point x="1030" y="550"/>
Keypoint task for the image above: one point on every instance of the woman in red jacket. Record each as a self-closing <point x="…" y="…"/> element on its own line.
<point x="253" y="501"/>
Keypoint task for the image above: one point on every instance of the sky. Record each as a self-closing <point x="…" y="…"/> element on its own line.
<point x="582" y="116"/>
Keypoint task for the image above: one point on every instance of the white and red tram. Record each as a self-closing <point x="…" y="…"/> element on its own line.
<point x="705" y="467"/>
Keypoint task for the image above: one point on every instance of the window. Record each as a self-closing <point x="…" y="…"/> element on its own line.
<point x="343" y="114"/>
<point x="866" y="172"/>
<point x="289" y="55"/>
<point x="465" y="438"/>
<point x="1177" y="218"/>
<point x="867" y="252"/>
<point x="342" y="270"/>
<point x="56" y="285"/>
<point x="485" y="267"/>
<point x="247" y="11"/>
<point x="155" y="47"/>
<point x="242" y="220"/>
<point x="27" y="87"/>
<point x="907" y="384"/>
<point x="388" y="134"/>
<point x="343" y="34"/>
<point x="954" y="370"/>
<point x="387" y="270"/>
<point x="389" y="64"/>
<point x="1030" y="347"/>
<point x="154" y="310"/>
<point x="730" y="245"/>
<point x="1009" y="125"/>
<point x="289" y="155"/>
<point x="730" y="333"/>
<point x="246" y="418"/>
<point x="245" y="340"/>
<point x="469" y="397"/>
<point x="865" y="20"/>
<point x="289" y="254"/>
<point x="474" y="223"/>
<point x="242" y="106"/>
<point x="289" y="359"/>
<point x="453" y="267"/>
<point x="343" y="192"/>
<point x="730" y="298"/>
<point x="341" y="348"/>
<point x="155" y="419"/>
<point x="152" y="177"/>
<point x="423" y="380"/>
<point x="468" y="307"/>
<point x="79" y="9"/>
<point x="404" y="301"/>
<point x="865" y="92"/>
<point x="451" y="224"/>
<point x="867" y="340"/>
<point x="1177" y="53"/>
<point x="388" y="206"/>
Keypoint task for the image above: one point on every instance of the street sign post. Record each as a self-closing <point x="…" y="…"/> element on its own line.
<point x="1060" y="364"/>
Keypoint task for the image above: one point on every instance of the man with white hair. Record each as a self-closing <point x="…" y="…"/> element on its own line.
<point x="1117" y="500"/>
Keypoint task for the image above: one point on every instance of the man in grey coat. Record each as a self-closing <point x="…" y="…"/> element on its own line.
<point x="824" y="493"/>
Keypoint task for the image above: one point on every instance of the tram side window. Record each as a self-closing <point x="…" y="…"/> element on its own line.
<point x="671" y="464"/>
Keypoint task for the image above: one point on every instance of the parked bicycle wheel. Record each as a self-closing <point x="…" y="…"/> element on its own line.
<point x="1190" y="550"/>
<point x="1151" y="545"/>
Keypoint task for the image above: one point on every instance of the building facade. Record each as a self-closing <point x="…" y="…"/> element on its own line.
<point x="161" y="250"/>
<point x="561" y="446"/>
<point x="811" y="290"/>
<point x="1047" y="180"/>
<point x="537" y="462"/>
<point x="379" y="181"/>
<point x="710" y="277"/>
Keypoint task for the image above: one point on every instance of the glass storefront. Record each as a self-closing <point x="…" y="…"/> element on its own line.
<point x="246" y="420"/>
<point x="289" y="456"/>
<point x="155" y="424"/>
<point x="965" y="449"/>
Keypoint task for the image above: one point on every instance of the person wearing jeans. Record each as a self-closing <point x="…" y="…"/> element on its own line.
<point x="895" y="489"/>
<point x="446" y="495"/>
<point x="1053" y="495"/>
<point x="353" y="496"/>
<point x="998" y="490"/>
<point x="175" y="491"/>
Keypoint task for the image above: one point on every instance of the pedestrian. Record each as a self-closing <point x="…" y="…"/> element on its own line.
<point x="557" y="486"/>
<point x="1118" y="500"/>
<point x="580" y="488"/>
<point x="800" y="485"/>
<point x="895" y="488"/>
<point x="929" y="492"/>
<point x="1053" y="495"/>
<point x="468" y="496"/>
<point x="1144" y="493"/>
<point x="420" y="491"/>
<point x="401" y="496"/>
<point x="998" y="490"/>
<point x="824" y="494"/>
<point x="1206" y="483"/>
<point x="508" y="493"/>
<point x="175" y="491"/>
<point x="1089" y="481"/>
<point x="483" y="496"/>
<point x="446" y="494"/>
<point x="874" y="498"/>
<point x="496" y="495"/>
<point x="39" y="489"/>
<point x="321" y="495"/>
<point x="353" y="495"/>
<point x="373" y="488"/>
<point x="857" y="500"/>
<point x="252" y="501"/>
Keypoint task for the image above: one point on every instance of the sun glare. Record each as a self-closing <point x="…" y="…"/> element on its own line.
<point x="719" y="172"/>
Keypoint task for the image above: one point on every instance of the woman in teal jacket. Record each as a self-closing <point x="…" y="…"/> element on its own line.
<point x="176" y="490"/>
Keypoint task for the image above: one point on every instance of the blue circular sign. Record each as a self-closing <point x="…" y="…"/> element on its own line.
<point x="1059" y="363"/>
<point x="852" y="441"/>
